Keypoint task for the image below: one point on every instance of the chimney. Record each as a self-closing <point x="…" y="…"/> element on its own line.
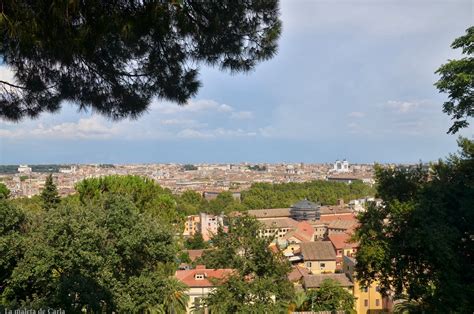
<point x="340" y="202"/>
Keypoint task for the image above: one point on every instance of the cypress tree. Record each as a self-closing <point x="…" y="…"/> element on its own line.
<point x="49" y="195"/>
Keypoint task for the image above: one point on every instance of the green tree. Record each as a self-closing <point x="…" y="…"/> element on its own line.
<point x="190" y="202"/>
<point x="49" y="194"/>
<point x="330" y="296"/>
<point x="114" y="56"/>
<point x="93" y="257"/>
<point x="265" y="195"/>
<point x="12" y="224"/>
<point x="196" y="242"/>
<point x="457" y="80"/>
<point x="260" y="282"/>
<point x="419" y="243"/>
<point x="4" y="191"/>
<point x="223" y="203"/>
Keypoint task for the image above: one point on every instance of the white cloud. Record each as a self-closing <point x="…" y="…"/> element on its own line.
<point x="192" y="106"/>
<point x="86" y="128"/>
<point x="215" y="133"/>
<point x="225" y="108"/>
<point x="404" y="106"/>
<point x="242" y="115"/>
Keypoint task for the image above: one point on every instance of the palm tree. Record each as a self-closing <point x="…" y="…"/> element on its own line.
<point x="405" y="306"/>
<point x="175" y="299"/>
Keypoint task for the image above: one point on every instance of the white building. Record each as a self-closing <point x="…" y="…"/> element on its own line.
<point x="200" y="281"/>
<point x="341" y="166"/>
<point x="24" y="169"/>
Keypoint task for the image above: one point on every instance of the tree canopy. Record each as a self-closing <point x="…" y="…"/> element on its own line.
<point x="265" y="195"/>
<point x="102" y="255"/>
<point x="4" y="191"/>
<point x="260" y="283"/>
<point x="420" y="242"/>
<point x="330" y="296"/>
<point x="457" y="79"/>
<point x="113" y="57"/>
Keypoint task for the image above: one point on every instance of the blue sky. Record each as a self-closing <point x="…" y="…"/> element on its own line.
<point x="352" y="79"/>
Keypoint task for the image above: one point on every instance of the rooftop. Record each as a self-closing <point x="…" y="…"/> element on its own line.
<point x="305" y="204"/>
<point x="318" y="251"/>
<point x="201" y="276"/>
<point x="341" y="241"/>
<point x="270" y="212"/>
<point x="279" y="223"/>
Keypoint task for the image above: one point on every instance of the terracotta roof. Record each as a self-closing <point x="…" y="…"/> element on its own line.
<point x="304" y="232"/>
<point x="305" y="228"/>
<point x="194" y="254"/>
<point x="279" y="223"/>
<point x="315" y="281"/>
<point x="341" y="241"/>
<point x="200" y="277"/>
<point x="270" y="212"/>
<point x="273" y="248"/>
<point x="318" y="251"/>
<point x="346" y="216"/>
<point x="297" y="273"/>
<point x="342" y="224"/>
<point x="327" y="210"/>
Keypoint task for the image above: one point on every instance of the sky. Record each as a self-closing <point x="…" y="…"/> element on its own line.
<point x="351" y="79"/>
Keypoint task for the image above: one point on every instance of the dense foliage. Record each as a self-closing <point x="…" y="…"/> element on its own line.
<point x="330" y="296"/>
<point x="260" y="283"/>
<point x="104" y="254"/>
<point x="457" y="79"/>
<point x="196" y="242"/>
<point x="4" y="191"/>
<point x="115" y="56"/>
<point x="420" y="242"/>
<point x="265" y="195"/>
<point x="148" y="196"/>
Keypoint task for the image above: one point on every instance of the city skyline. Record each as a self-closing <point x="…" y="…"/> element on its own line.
<point x="350" y="80"/>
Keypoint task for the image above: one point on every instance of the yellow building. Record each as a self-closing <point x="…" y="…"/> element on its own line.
<point x="368" y="299"/>
<point x="191" y="225"/>
<point x="319" y="257"/>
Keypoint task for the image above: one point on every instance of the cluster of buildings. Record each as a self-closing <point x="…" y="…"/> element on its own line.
<point x="210" y="178"/>
<point x="315" y="239"/>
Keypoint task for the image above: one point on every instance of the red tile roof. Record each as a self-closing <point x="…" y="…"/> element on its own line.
<point x="297" y="273"/>
<point x="327" y="218"/>
<point x="305" y="228"/>
<point x="341" y="241"/>
<point x="191" y="277"/>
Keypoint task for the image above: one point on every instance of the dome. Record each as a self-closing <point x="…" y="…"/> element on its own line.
<point x="305" y="210"/>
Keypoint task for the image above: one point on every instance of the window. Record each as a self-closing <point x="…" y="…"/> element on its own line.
<point x="366" y="303"/>
<point x="322" y="265"/>
<point x="199" y="276"/>
<point x="377" y="302"/>
<point x="308" y="264"/>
